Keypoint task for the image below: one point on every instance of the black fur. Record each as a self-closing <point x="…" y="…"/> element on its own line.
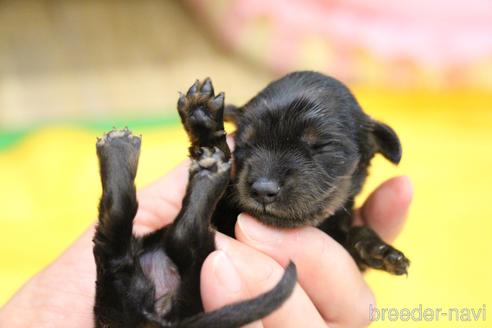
<point x="306" y="142"/>
<point x="303" y="147"/>
<point x="153" y="281"/>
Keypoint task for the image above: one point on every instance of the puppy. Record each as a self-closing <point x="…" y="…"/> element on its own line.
<point x="303" y="147"/>
<point x="302" y="151"/>
<point x="153" y="281"/>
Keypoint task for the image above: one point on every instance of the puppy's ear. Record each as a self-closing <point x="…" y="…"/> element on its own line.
<point x="232" y="114"/>
<point x="387" y="142"/>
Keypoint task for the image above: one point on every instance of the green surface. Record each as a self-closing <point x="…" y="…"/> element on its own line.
<point x="8" y="137"/>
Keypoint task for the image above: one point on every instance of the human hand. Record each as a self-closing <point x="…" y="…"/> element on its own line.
<point x="330" y="290"/>
<point x="63" y="293"/>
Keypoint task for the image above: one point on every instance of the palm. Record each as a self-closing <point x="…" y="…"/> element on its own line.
<point x="64" y="291"/>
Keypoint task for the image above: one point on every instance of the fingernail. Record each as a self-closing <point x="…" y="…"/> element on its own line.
<point x="226" y="273"/>
<point x="257" y="231"/>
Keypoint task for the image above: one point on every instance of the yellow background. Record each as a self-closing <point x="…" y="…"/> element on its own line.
<point x="49" y="187"/>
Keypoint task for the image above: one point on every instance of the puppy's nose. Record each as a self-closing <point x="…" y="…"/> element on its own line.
<point x="264" y="190"/>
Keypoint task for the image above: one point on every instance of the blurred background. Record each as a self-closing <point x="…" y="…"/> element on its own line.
<point x="71" y="69"/>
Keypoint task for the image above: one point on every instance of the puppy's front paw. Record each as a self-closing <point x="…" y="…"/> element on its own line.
<point x="202" y="113"/>
<point x="379" y="255"/>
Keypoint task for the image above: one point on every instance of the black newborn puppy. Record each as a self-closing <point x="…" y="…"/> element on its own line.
<point x="303" y="147"/>
<point x="154" y="281"/>
<point x="302" y="151"/>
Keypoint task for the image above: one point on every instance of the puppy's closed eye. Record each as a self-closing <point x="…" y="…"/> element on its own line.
<point x="323" y="146"/>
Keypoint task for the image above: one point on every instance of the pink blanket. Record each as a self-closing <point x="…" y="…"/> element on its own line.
<point x="408" y="43"/>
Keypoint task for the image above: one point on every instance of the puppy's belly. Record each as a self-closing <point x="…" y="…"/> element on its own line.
<point x="164" y="275"/>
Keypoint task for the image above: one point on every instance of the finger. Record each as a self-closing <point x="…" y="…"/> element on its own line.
<point x="260" y="273"/>
<point x="326" y="271"/>
<point x="221" y="284"/>
<point x="160" y="202"/>
<point x="230" y="141"/>
<point x="386" y="209"/>
<point x="43" y="299"/>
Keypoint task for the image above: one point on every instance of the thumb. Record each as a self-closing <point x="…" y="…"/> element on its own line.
<point x="221" y="284"/>
<point x="385" y="210"/>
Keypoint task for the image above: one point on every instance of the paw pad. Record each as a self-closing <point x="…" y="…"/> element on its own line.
<point x="124" y="136"/>
<point x="211" y="160"/>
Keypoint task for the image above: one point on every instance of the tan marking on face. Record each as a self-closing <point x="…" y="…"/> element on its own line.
<point x="342" y="189"/>
<point x="248" y="134"/>
<point x="310" y="135"/>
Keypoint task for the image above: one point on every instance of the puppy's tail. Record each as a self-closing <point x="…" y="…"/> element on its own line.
<point x="242" y="313"/>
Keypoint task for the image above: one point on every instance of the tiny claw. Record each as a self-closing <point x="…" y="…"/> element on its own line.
<point x="217" y="102"/>
<point x="381" y="248"/>
<point x="181" y="100"/>
<point x="193" y="89"/>
<point x="207" y="87"/>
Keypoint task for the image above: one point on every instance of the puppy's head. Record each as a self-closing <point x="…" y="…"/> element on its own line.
<point x="299" y="159"/>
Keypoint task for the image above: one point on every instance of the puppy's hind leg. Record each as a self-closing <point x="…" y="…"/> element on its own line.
<point x="190" y="239"/>
<point x="118" y="152"/>
<point x="201" y="113"/>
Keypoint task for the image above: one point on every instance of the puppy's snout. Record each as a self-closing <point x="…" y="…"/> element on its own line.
<point x="265" y="190"/>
